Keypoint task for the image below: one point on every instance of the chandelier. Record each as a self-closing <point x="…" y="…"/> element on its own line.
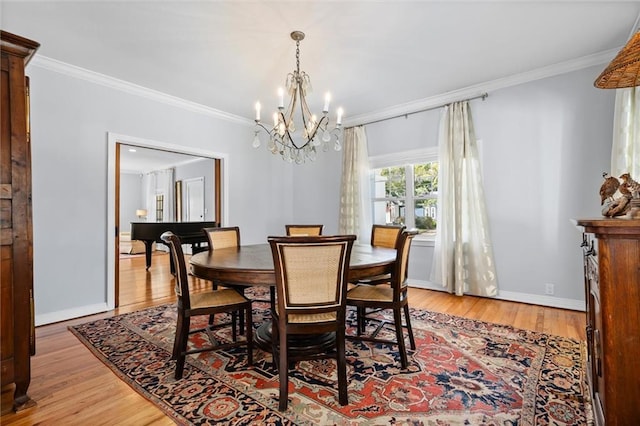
<point x="297" y="137"/>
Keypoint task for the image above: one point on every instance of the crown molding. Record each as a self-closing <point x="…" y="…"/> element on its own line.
<point x="387" y="113"/>
<point x="479" y="89"/>
<point x="124" y="86"/>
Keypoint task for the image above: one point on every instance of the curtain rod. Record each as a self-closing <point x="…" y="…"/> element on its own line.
<point x="405" y="115"/>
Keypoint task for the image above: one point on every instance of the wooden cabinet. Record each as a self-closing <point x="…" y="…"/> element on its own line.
<point x="16" y="235"/>
<point x="611" y="249"/>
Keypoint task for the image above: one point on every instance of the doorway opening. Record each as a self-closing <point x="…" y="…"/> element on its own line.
<point x="118" y="221"/>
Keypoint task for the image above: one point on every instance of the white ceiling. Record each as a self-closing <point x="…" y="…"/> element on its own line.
<point x="371" y="55"/>
<point x="135" y="159"/>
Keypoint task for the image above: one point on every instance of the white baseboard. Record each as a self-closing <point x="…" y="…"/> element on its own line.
<point x="44" y="319"/>
<point x="511" y="296"/>
<point x="534" y="299"/>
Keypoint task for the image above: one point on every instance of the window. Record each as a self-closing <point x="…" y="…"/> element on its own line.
<point x="160" y="208"/>
<point x="407" y="195"/>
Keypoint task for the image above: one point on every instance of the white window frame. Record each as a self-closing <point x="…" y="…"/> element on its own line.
<point x="408" y="159"/>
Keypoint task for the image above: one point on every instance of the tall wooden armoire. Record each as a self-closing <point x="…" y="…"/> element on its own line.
<point x="17" y="336"/>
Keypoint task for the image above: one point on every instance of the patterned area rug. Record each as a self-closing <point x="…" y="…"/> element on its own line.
<point x="463" y="372"/>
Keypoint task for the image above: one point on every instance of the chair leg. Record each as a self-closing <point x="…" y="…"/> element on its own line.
<point x="397" y="315"/>
<point x="234" y="334"/>
<point x="272" y="298"/>
<point x="249" y="336"/>
<point x="240" y="290"/>
<point x="341" y="360"/>
<point x="214" y="286"/>
<point x="360" y="323"/>
<point x="275" y="355"/>
<point x="182" y="349"/>
<point x="283" y="372"/>
<point x="176" y="339"/>
<point x="412" y="341"/>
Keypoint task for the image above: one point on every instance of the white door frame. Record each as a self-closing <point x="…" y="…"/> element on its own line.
<point x="112" y="140"/>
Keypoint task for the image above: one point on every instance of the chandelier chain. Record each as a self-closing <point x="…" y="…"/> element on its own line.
<point x="298" y="57"/>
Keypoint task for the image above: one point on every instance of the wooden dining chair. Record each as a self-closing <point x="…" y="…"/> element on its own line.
<point x="380" y="297"/>
<point x="203" y="303"/>
<point x="220" y="238"/>
<point x="303" y="230"/>
<point x="382" y="236"/>
<point x="385" y="235"/>
<point x="311" y="285"/>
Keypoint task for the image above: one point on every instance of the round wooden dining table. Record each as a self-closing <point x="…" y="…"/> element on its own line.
<point x="252" y="265"/>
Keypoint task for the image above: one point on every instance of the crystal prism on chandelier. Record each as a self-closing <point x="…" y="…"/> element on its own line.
<point x="297" y="137"/>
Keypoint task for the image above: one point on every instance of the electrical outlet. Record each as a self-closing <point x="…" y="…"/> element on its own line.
<point x="548" y="288"/>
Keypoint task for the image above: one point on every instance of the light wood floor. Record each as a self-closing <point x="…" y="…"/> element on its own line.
<point x="72" y="387"/>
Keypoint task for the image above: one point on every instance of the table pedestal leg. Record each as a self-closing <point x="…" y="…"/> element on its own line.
<point x="299" y="345"/>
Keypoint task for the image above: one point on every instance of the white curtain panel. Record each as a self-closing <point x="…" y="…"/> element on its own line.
<point x="161" y="182"/>
<point x="355" y="212"/>
<point x="150" y="191"/>
<point x="166" y="186"/>
<point x="463" y="256"/>
<point x="625" y="150"/>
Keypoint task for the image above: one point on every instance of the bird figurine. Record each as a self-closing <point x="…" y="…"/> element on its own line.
<point x="608" y="188"/>
<point x="629" y="187"/>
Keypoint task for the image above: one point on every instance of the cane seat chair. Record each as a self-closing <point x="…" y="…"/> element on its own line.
<point x="220" y="238"/>
<point x="203" y="303"/>
<point x="381" y="297"/>
<point x="385" y="235"/>
<point x="311" y="286"/>
<point x="304" y="230"/>
<point x="382" y="236"/>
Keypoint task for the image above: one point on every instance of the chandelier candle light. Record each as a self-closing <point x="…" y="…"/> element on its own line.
<point x="292" y="143"/>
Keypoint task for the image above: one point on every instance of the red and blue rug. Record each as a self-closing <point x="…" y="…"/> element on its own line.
<point x="463" y="372"/>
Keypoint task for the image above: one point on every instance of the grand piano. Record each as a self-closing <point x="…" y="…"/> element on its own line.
<point x="189" y="233"/>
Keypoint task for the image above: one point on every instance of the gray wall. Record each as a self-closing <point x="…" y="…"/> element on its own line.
<point x="545" y="144"/>
<point x="131" y="199"/>
<point x="70" y="121"/>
